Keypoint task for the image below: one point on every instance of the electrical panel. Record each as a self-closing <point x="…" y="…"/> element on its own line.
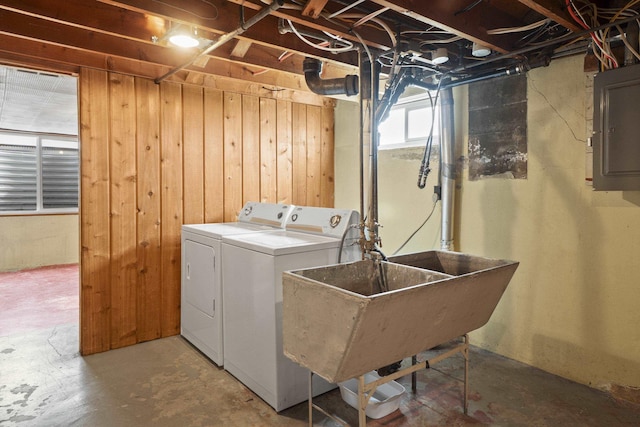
<point x="616" y="129"/>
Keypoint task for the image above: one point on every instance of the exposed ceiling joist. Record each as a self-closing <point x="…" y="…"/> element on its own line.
<point x="552" y="10"/>
<point x="313" y="8"/>
<point x="117" y="34"/>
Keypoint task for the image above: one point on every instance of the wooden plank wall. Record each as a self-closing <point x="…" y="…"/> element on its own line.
<point x="154" y="157"/>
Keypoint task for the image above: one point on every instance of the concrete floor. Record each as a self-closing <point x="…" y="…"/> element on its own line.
<point x="45" y="382"/>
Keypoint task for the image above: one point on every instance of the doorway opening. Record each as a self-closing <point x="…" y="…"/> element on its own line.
<point x="39" y="188"/>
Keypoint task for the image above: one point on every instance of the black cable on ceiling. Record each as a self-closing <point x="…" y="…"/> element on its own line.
<point x="468" y="8"/>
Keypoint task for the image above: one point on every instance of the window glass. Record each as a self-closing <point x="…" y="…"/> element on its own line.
<point x="38" y="174"/>
<point x="18" y="175"/>
<point x="418" y="123"/>
<point x="59" y="177"/>
<point x="392" y="129"/>
<point x="409" y="124"/>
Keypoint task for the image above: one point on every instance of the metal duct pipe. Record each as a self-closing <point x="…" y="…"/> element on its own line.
<point x="262" y="13"/>
<point x="313" y="67"/>
<point x="447" y="168"/>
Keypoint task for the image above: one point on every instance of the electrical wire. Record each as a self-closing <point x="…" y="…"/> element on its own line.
<point x="601" y="48"/>
<point x="364" y="45"/>
<point x="468" y="8"/>
<point x="181" y="9"/>
<point x="319" y="46"/>
<point x="330" y="18"/>
<point x="627" y="44"/>
<point x="519" y="29"/>
<point x="347" y="7"/>
<point x="624" y="10"/>
<point x="433" y="208"/>
<point x="379" y="22"/>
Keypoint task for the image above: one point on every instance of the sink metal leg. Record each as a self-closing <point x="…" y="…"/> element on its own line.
<point x="465" y="353"/>
<point x="363" y="400"/>
<point x="310" y="399"/>
<point x="366" y="390"/>
<point x="414" y="375"/>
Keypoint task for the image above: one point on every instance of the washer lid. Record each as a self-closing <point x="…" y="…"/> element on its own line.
<point x="282" y="242"/>
<point x="218" y="230"/>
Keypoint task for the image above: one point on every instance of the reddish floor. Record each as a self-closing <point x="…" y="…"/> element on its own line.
<point x="32" y="300"/>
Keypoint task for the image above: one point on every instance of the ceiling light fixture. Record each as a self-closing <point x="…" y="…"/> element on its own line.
<point x="184" y="36"/>
<point x="480" y="51"/>
<point x="440" y="56"/>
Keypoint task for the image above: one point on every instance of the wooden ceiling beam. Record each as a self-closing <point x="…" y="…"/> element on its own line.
<point x="552" y="10"/>
<point x="35" y="52"/>
<point x="89" y="15"/>
<point x="448" y="15"/>
<point x="64" y="59"/>
<point x="114" y="18"/>
<point x="313" y="8"/>
<point x="374" y="37"/>
<point x="264" y="32"/>
<point x="33" y="28"/>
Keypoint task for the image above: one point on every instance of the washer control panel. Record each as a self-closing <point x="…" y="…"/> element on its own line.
<point x="274" y="214"/>
<point x="324" y="221"/>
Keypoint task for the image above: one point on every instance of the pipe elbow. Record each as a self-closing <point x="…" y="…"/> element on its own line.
<point x="312" y="68"/>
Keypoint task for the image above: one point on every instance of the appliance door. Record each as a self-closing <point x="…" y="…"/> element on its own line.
<point x="201" y="318"/>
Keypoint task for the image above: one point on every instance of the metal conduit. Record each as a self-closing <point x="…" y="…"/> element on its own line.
<point x="227" y="37"/>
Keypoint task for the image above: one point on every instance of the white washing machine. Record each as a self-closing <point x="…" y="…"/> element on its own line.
<point x="201" y="280"/>
<point x="252" y="293"/>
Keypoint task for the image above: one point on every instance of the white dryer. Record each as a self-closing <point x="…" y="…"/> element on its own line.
<point x="252" y="293"/>
<point x="201" y="281"/>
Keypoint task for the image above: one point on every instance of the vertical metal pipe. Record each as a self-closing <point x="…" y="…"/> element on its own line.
<point x="365" y="89"/>
<point x="375" y="140"/>
<point x="447" y="168"/>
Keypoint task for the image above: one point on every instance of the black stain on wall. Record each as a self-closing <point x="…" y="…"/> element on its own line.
<point x="498" y="128"/>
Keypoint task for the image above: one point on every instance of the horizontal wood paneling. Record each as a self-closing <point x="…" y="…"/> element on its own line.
<point x="157" y="156"/>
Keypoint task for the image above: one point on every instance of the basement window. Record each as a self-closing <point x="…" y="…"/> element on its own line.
<point x="409" y="124"/>
<point x="38" y="173"/>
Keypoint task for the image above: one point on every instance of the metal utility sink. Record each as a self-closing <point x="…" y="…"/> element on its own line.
<point x="366" y="278"/>
<point x="341" y="321"/>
